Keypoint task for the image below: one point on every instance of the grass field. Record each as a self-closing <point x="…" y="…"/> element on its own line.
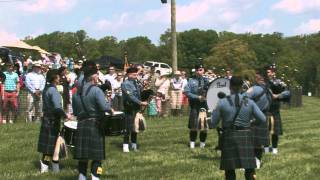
<point x="164" y="152"/>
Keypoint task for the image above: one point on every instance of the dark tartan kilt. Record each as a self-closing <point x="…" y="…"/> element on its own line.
<point x="129" y="119"/>
<point x="89" y="141"/>
<point x="237" y="150"/>
<point x="261" y="135"/>
<point x="193" y="119"/>
<point x="277" y="123"/>
<point x="49" y="132"/>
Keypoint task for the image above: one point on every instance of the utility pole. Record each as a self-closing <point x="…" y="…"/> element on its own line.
<point x="173" y="35"/>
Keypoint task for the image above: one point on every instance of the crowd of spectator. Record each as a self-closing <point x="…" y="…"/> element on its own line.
<point x="29" y="76"/>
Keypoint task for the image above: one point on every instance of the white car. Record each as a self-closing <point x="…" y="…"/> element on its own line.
<point x="160" y="67"/>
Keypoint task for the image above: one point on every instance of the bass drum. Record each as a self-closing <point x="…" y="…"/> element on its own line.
<point x="218" y="89"/>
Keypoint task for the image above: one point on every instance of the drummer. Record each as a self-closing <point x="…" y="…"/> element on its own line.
<point x="89" y="105"/>
<point x="196" y="92"/>
<point x="131" y="91"/>
<point x="50" y="126"/>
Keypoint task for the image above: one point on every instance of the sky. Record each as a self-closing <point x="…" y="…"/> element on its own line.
<point x="130" y="18"/>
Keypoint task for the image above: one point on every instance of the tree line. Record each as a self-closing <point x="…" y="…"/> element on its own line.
<point x="297" y="58"/>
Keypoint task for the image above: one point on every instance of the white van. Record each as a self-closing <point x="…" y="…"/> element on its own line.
<point x="160" y="67"/>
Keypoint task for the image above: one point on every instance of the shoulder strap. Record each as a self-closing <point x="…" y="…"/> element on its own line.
<point x="237" y="113"/>
<point x="81" y="99"/>
<point x="257" y="98"/>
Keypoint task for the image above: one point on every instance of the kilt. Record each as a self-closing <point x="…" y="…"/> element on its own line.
<point x="261" y="135"/>
<point x="277" y="127"/>
<point x="49" y="132"/>
<point x="89" y="141"/>
<point x="193" y="119"/>
<point x="129" y="119"/>
<point x="237" y="150"/>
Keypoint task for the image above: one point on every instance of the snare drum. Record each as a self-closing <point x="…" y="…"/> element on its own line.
<point x="69" y="132"/>
<point x="115" y="124"/>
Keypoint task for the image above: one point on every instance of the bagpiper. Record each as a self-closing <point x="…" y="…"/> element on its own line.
<point x="237" y="149"/>
<point x="196" y="90"/>
<point x="280" y="93"/>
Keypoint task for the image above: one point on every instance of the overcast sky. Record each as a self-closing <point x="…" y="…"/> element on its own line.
<point x="129" y="18"/>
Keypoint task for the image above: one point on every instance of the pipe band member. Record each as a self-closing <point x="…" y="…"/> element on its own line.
<point x="236" y="112"/>
<point x="131" y="91"/>
<point x="89" y="105"/>
<point x="50" y="125"/>
<point x="262" y="96"/>
<point x="280" y="93"/>
<point x="196" y="90"/>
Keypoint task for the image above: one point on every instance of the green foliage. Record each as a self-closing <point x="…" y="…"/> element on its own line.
<point x="232" y="54"/>
<point x="164" y="153"/>
<point x="139" y="49"/>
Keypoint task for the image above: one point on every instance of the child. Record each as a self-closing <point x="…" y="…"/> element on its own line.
<point x="152" y="107"/>
<point x="159" y="99"/>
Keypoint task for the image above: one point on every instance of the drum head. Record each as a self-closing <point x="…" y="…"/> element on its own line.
<point x="71" y="124"/>
<point x="220" y="85"/>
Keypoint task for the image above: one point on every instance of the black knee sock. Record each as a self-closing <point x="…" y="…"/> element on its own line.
<point x="57" y="162"/>
<point x="126" y="138"/>
<point x="193" y="136"/>
<point x="275" y="140"/>
<point x="46" y="159"/>
<point x="230" y="174"/>
<point x="96" y="168"/>
<point x="203" y="136"/>
<point x="258" y="153"/>
<point x="249" y="173"/>
<point x="82" y="167"/>
<point x="134" y="137"/>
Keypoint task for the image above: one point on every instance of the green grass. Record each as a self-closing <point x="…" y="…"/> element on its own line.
<point x="164" y="152"/>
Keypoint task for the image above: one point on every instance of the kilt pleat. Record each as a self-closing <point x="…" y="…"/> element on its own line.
<point x="193" y="119"/>
<point x="129" y="119"/>
<point x="261" y="135"/>
<point x="89" y="141"/>
<point x="237" y="150"/>
<point x="49" y="132"/>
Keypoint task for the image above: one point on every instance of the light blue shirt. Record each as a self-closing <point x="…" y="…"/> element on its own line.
<point x="12" y="79"/>
<point x="226" y="112"/>
<point x="35" y="81"/>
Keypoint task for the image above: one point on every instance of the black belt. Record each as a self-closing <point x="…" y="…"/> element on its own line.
<point x="87" y="118"/>
<point x="238" y="128"/>
<point x="10" y="91"/>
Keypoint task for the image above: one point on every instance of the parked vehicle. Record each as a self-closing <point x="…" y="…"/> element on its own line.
<point x="160" y="67"/>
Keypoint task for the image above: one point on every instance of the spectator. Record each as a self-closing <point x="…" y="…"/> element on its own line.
<point x="228" y="74"/>
<point x="185" y="82"/>
<point x="111" y="77"/>
<point x="10" y="94"/>
<point x="117" y="102"/>
<point x="65" y="81"/>
<point x="163" y="85"/>
<point x="100" y="74"/>
<point x="176" y="93"/>
<point x="35" y="83"/>
<point x="159" y="99"/>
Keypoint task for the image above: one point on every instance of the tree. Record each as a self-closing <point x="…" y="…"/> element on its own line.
<point x="234" y="54"/>
<point x="139" y="49"/>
